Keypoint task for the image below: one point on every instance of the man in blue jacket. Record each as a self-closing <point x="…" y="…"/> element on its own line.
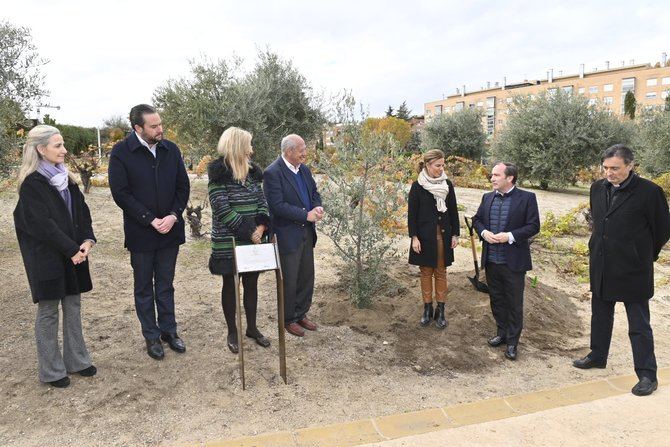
<point x="506" y="219"/>
<point x="149" y="183"/>
<point x="295" y="207"/>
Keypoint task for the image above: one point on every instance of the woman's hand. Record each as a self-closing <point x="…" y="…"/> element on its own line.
<point x="454" y="242"/>
<point x="257" y="235"/>
<point x="78" y="258"/>
<point x="416" y="245"/>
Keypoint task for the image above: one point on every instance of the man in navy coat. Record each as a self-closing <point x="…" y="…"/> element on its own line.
<point x="149" y="183"/>
<point x="507" y="217"/>
<point x="295" y="207"/>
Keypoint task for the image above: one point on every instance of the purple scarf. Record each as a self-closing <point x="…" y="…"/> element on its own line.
<point x="58" y="177"/>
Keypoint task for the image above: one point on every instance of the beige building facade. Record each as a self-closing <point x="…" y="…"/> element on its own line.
<point x="605" y="88"/>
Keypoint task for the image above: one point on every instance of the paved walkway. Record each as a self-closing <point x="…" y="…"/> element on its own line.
<point x="595" y="413"/>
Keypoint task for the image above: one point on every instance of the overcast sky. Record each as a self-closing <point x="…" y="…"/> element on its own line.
<point x="106" y="56"/>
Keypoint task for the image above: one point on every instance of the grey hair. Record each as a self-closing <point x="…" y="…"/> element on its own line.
<point x="289" y="142"/>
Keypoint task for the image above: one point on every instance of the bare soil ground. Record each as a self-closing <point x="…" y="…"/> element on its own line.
<point x="359" y="363"/>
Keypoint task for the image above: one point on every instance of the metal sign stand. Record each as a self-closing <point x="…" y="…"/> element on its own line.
<point x="261" y="264"/>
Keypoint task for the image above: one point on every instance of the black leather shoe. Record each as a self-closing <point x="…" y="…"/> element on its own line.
<point x="260" y="338"/>
<point x="588" y="363"/>
<point x="511" y="352"/>
<point x="645" y="387"/>
<point x="65" y="381"/>
<point x="88" y="372"/>
<point x="427" y="316"/>
<point x="155" y="349"/>
<point x="174" y="342"/>
<point x="231" y="341"/>
<point x="440" y="321"/>
<point x="496" y="341"/>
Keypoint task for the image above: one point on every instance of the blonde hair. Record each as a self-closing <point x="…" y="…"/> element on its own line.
<point x="233" y="146"/>
<point x="429" y="157"/>
<point x="38" y="136"/>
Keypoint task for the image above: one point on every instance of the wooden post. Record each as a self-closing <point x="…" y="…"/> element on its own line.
<point x="238" y="307"/>
<point x="280" y="314"/>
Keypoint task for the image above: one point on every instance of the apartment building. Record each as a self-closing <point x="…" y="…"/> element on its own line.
<point x="606" y="88"/>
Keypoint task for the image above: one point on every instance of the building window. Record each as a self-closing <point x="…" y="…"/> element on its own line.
<point x="438" y="110"/>
<point x="509" y="100"/>
<point x="665" y="80"/>
<point x="608" y="88"/>
<point x="581" y="90"/>
<point x="480" y="103"/>
<point x="490" y="115"/>
<point x="552" y="91"/>
<point x="567" y="89"/>
<point x="459" y="106"/>
<point x="650" y="95"/>
<point x="664" y="94"/>
<point x="627" y="85"/>
<point x="593" y="101"/>
<point x="652" y="82"/>
<point x="594" y="89"/>
<point x="608" y="100"/>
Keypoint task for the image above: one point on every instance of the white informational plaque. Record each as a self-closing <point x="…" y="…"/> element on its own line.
<point x="255" y="258"/>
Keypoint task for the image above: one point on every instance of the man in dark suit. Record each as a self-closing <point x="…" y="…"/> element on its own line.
<point x="631" y="223"/>
<point x="149" y="183"/>
<point x="506" y="219"/>
<point x="295" y="207"/>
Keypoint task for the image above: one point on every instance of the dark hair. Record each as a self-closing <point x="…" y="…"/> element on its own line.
<point x="429" y="157"/>
<point x="619" y="150"/>
<point x="510" y="170"/>
<point x="137" y="114"/>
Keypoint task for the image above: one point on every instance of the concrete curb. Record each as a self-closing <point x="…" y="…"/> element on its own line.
<point x="383" y="428"/>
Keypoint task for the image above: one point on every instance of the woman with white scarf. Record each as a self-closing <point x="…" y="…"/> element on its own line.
<point x="432" y="221"/>
<point x="53" y="226"/>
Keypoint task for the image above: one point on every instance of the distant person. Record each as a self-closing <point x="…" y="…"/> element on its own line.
<point x="239" y="211"/>
<point x="631" y="224"/>
<point x="295" y="207"/>
<point x="53" y="226"/>
<point x="149" y="183"/>
<point x="507" y="217"/>
<point x="432" y="220"/>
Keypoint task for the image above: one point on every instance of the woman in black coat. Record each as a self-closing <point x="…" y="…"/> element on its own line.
<point x="432" y="220"/>
<point x="53" y="226"/>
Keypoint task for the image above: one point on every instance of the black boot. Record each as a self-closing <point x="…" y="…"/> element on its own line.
<point x="427" y="314"/>
<point x="440" y="321"/>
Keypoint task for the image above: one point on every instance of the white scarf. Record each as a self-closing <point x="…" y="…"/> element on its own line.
<point x="437" y="187"/>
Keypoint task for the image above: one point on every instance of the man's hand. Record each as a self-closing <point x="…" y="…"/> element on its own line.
<point x="165" y="224"/>
<point x="319" y="212"/>
<point x="78" y="258"/>
<point x="454" y="242"/>
<point x="489" y="237"/>
<point x="502" y="238"/>
<point x="312" y="216"/>
<point x="416" y="244"/>
<point x="85" y="247"/>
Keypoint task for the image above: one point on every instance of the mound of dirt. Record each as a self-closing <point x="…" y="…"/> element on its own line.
<point x="550" y="324"/>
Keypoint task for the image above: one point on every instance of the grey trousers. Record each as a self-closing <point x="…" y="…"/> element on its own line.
<point x="298" y="271"/>
<point x="52" y="365"/>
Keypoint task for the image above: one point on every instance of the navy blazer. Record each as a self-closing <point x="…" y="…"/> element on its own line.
<point x="523" y="222"/>
<point x="147" y="187"/>
<point x="287" y="211"/>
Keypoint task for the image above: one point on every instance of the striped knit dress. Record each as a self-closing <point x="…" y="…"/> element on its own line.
<point x="237" y="209"/>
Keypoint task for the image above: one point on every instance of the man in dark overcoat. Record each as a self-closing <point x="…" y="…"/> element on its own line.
<point x="295" y="207"/>
<point x="149" y="183"/>
<point x="631" y="224"/>
<point x="506" y="219"/>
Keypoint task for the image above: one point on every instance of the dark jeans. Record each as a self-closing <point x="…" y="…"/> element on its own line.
<point x="639" y="332"/>
<point x="506" y="292"/>
<point x="153" y="272"/>
<point x="298" y="271"/>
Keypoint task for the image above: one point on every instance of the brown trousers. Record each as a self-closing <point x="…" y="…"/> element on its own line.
<point x="439" y="273"/>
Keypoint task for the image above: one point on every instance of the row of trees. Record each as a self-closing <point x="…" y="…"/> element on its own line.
<point x="554" y="137"/>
